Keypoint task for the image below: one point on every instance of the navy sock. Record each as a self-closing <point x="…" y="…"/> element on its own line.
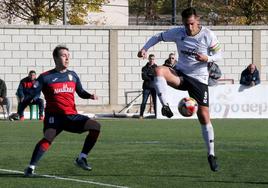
<point x="90" y="141"/>
<point x="39" y="150"/>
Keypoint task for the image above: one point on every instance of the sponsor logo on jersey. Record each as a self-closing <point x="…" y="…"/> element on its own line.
<point x="54" y="80"/>
<point x="64" y="89"/>
<point x="70" y="77"/>
<point x="36" y="84"/>
<point x="191" y="52"/>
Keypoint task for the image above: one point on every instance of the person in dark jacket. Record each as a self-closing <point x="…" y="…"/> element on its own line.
<point x="171" y="61"/>
<point x="250" y="76"/>
<point x="147" y="86"/>
<point x="25" y="92"/>
<point x="3" y="97"/>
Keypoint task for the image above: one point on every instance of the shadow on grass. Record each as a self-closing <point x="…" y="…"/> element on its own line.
<point x="19" y="175"/>
<point x="75" y="174"/>
<point x="240" y="182"/>
<point x="11" y="175"/>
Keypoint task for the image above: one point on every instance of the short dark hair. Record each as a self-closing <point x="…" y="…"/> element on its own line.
<point x="187" y="13"/>
<point x="171" y="54"/>
<point x="57" y="49"/>
<point x="32" y="72"/>
<point x="151" y="55"/>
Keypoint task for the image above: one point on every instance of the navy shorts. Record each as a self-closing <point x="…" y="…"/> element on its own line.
<point x="196" y="89"/>
<point x="71" y="123"/>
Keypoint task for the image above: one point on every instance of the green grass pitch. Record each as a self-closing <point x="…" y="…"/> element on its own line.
<point x="141" y="153"/>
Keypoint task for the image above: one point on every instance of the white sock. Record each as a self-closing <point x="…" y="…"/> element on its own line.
<point x="82" y="155"/>
<point x="160" y="85"/>
<point x="208" y="135"/>
<point x="32" y="167"/>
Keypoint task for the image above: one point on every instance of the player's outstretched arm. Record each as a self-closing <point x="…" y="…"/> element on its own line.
<point x="151" y="42"/>
<point x="84" y="94"/>
<point x="142" y="54"/>
<point x="94" y="97"/>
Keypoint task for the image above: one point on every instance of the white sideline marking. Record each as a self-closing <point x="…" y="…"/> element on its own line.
<point x="67" y="179"/>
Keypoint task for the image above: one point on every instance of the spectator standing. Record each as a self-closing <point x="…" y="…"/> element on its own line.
<point x="147" y="74"/>
<point x="250" y="76"/>
<point x="171" y="61"/>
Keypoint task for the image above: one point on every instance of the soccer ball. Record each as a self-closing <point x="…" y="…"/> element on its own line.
<point x="187" y="106"/>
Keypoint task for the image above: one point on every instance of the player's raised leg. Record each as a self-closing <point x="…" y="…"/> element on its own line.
<point x="165" y="76"/>
<point x="208" y="135"/>
<point x="94" y="130"/>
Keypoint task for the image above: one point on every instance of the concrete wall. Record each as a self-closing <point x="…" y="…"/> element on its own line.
<point x="106" y="60"/>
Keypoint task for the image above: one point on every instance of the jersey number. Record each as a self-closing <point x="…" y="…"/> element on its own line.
<point x="51" y="120"/>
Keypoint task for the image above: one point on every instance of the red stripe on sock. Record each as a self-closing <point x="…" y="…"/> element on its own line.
<point x="44" y="144"/>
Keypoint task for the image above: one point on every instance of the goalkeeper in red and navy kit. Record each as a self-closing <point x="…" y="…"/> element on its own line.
<point x="59" y="86"/>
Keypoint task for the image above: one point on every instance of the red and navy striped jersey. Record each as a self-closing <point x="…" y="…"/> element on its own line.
<point x="59" y="89"/>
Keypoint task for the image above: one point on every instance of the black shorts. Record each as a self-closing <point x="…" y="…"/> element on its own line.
<point x="196" y="89"/>
<point x="71" y="123"/>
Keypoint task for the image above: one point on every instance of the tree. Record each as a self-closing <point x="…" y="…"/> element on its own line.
<point x="213" y="11"/>
<point x="151" y="11"/>
<point x="190" y="3"/>
<point x="231" y="11"/>
<point x="7" y="14"/>
<point x="148" y="8"/>
<point x="29" y="10"/>
<point x="250" y="11"/>
<point x="137" y="8"/>
<point x="79" y="10"/>
<point x="242" y="12"/>
<point x="49" y="11"/>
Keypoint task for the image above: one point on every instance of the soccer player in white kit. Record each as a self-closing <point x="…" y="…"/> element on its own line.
<point x="197" y="46"/>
